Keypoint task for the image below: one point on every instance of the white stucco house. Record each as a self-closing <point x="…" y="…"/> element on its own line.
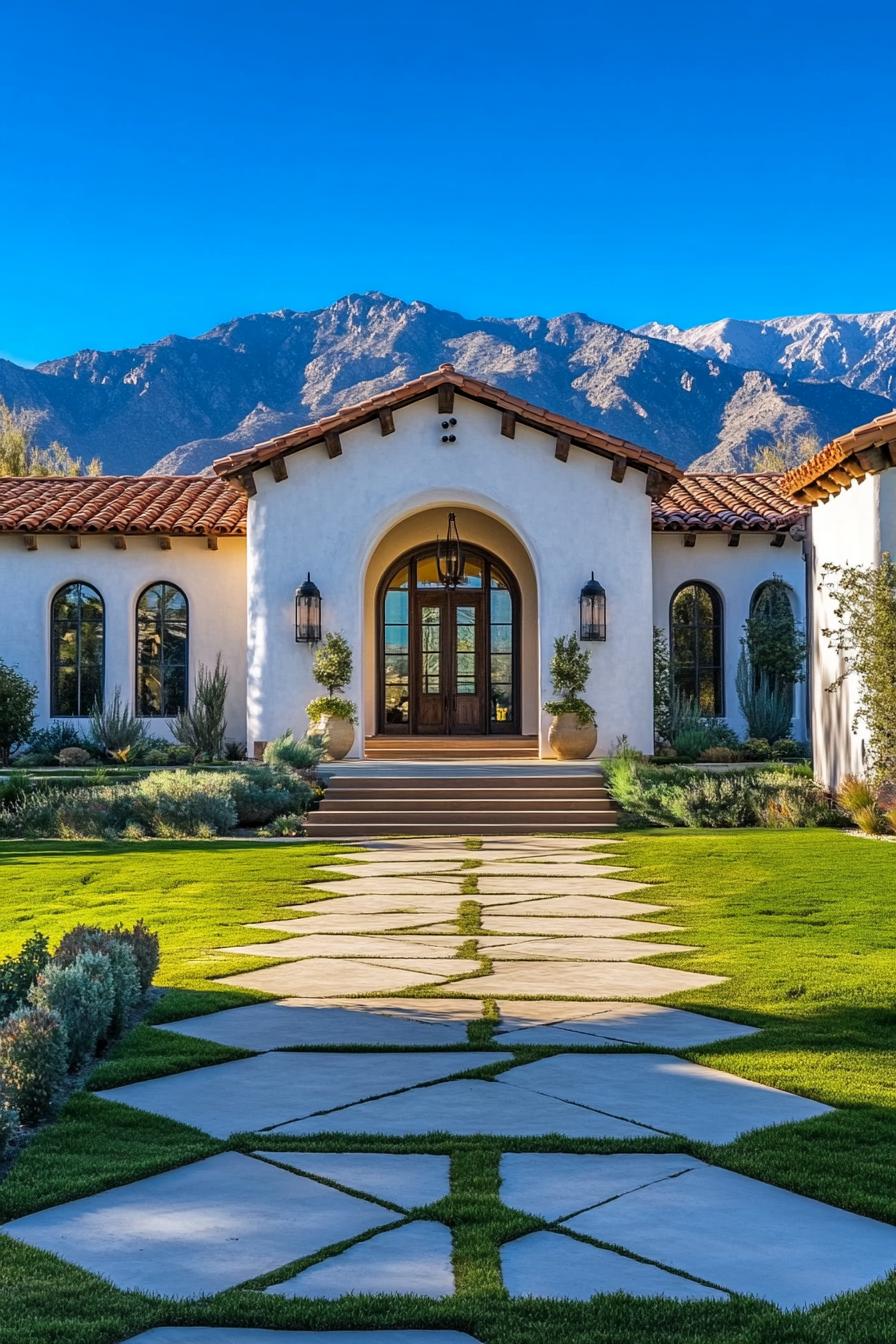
<point x="132" y="582"/>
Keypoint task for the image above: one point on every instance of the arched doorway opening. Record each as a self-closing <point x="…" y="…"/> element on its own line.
<point x="448" y="660"/>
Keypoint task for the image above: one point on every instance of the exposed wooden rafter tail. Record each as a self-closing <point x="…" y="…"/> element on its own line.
<point x="279" y="470"/>
<point x="387" y="420"/>
<point x="333" y="444"/>
<point x="508" y="424"/>
<point x="561" y="448"/>
<point x="618" y="470"/>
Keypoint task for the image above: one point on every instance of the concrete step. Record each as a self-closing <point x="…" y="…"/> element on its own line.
<point x="423" y="803"/>
<point x="319" y="828"/>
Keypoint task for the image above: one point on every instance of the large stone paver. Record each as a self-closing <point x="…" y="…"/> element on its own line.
<point x="668" y="1094"/>
<point x="577" y="949"/>
<point x="362" y="946"/>
<point x="422" y="867"/>
<point x="267" y="1090"/>
<point x="326" y="978"/>
<point x="560" y="868"/>
<point x="297" y="1022"/>
<point x="558" y="1185"/>
<point x="626" y="1023"/>
<point x="409" y="1180"/>
<point x="469" y="1106"/>
<point x="747" y="1236"/>
<point x="201" y="1228"/>
<point x="226" y="1334"/>
<point x="583" y="979"/>
<point x="320" y="920"/>
<point x="548" y="1264"/>
<point x="389" y="886"/>
<point x="559" y="886"/>
<point x="495" y="921"/>
<point x="414" y="1259"/>
<point x="542" y="907"/>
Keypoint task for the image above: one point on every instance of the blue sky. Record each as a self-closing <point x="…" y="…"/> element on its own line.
<point x="168" y="166"/>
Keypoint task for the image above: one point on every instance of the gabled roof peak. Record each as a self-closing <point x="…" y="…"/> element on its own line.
<point x="515" y="410"/>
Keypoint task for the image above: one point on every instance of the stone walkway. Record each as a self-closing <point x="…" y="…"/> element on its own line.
<point x="441" y="958"/>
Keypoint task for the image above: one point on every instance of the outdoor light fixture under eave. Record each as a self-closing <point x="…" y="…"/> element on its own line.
<point x="593" y="611"/>
<point x="308" y="612"/>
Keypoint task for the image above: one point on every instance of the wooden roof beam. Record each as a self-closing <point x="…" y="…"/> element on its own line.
<point x="164" y="543"/>
<point x="446" y="398"/>
<point x="508" y="424"/>
<point x="733" y="538"/>
<point x="212" y="542"/>
<point x="689" y="540"/>
<point x="29" y="541"/>
<point x="778" y="539"/>
<point x="119" y="542"/>
<point x="618" y="470"/>
<point x="873" y="460"/>
<point x="654" y="486"/>
<point x="561" y="448"/>
<point x="278" y="469"/>
<point x="74" y="541"/>
<point x="386" y="419"/>
<point x="333" y="444"/>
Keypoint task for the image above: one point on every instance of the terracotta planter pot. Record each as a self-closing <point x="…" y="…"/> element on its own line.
<point x="338" y="735"/>
<point x="571" y="740"/>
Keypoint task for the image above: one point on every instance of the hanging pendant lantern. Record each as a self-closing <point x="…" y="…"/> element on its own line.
<point x="593" y="611"/>
<point x="450" y="559"/>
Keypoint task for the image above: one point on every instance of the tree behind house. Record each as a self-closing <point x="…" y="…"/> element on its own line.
<point x="20" y="454"/>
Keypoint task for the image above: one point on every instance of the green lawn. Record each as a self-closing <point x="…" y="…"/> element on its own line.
<point x="802" y="922"/>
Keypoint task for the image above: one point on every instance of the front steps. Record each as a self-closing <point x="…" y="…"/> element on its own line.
<point x="451" y="748"/>
<point x="466" y="802"/>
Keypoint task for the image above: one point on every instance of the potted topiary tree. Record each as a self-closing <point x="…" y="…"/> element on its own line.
<point x="331" y="716"/>
<point x="573" y="730"/>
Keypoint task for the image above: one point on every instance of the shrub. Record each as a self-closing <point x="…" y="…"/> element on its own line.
<point x="855" y="792"/>
<point x="757" y="749"/>
<point x="864" y="634"/>
<point x="773" y="643"/>
<point x="14" y="788"/>
<point x="570" y="669"/>
<point x="786" y="748"/>
<point x="662" y="688"/>
<point x="144" y="945"/>
<point x="201" y="727"/>
<point x="122" y="964"/>
<point x="178" y="755"/>
<point x="332" y="669"/>
<point x="681" y="796"/>
<point x="870" y="819"/>
<point x="719" y="754"/>
<point x="18" y="973"/>
<point x="74" y="756"/>
<point x="9" y="1123"/>
<point x="296" y="753"/>
<point x="234" y="751"/>
<point x="115" y="732"/>
<point x="18" y="697"/>
<point x="33" y="1061"/>
<point x="289" y="824"/>
<point x="261" y="793"/>
<point x="766" y="703"/>
<point x="52" y="740"/>
<point x="83" y="993"/>
<point x="175" y="803"/>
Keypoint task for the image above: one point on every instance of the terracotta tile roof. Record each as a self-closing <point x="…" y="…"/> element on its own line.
<point x="864" y="451"/>
<point x="726" y="502"/>
<point x="174" y="505"/>
<point x="584" y="436"/>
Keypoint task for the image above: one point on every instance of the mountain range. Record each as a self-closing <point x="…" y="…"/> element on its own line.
<point x="709" y="397"/>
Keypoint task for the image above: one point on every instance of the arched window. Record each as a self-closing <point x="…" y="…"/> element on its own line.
<point x="775" y="644"/>
<point x="162" y="631"/>
<point x="696" y="647"/>
<point x="77" y="637"/>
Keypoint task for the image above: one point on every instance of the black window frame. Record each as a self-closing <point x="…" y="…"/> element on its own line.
<point x="80" y="711"/>
<point x="138" y="704"/>
<point x="717" y="665"/>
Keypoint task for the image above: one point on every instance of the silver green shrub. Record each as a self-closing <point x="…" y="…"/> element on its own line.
<point x="83" y="993"/>
<point x="33" y="1061"/>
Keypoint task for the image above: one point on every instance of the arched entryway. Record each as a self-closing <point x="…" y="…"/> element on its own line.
<point x="448" y="659"/>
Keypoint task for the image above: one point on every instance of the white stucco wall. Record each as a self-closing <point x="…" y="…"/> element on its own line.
<point x="735" y="572"/>
<point x="852" y="528"/>
<point x="331" y="515"/>
<point x="213" y="581"/>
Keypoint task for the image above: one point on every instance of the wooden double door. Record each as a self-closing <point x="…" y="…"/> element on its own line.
<point x="449" y="659"/>
<point x="449" y="687"/>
